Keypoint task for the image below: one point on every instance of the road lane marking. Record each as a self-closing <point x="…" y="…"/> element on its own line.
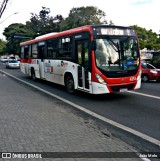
<point x="143" y="94"/>
<point x="116" y="124"/>
<point x="145" y="159"/>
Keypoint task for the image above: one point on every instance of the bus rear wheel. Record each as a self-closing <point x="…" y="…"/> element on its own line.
<point x="33" y="76"/>
<point x="69" y="84"/>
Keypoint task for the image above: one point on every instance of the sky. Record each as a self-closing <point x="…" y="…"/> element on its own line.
<point x="144" y="13"/>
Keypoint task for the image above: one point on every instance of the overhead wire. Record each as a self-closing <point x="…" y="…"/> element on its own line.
<point x="3" y="7"/>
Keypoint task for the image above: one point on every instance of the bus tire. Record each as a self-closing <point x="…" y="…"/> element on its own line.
<point x="33" y="76"/>
<point x="69" y="84"/>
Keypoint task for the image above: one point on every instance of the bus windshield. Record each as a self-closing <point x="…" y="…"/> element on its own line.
<point x="118" y="53"/>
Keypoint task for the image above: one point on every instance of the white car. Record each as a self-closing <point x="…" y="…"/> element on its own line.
<point x="12" y="63"/>
<point x="4" y="59"/>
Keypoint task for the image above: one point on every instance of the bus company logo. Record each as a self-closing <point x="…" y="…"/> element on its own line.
<point x="6" y="155"/>
<point x="64" y="64"/>
<point x="33" y="62"/>
<point x="122" y="80"/>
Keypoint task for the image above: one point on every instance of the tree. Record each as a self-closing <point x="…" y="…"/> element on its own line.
<point x="83" y="16"/>
<point x="147" y="38"/>
<point x="2" y="46"/>
<point x="13" y="29"/>
<point x="12" y="45"/>
<point x="43" y="23"/>
<point x="38" y="25"/>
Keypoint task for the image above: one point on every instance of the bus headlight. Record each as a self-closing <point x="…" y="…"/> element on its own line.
<point x="132" y="79"/>
<point x="100" y="79"/>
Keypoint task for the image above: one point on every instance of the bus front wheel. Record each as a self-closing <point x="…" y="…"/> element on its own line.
<point x="69" y="84"/>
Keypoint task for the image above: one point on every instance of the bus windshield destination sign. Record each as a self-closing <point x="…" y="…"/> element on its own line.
<point x="115" y="31"/>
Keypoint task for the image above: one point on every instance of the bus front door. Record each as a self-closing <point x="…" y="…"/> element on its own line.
<point x="82" y="50"/>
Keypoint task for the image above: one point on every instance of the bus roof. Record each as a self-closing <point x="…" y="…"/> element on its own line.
<point x="46" y="35"/>
<point x="59" y="34"/>
<point x="69" y="32"/>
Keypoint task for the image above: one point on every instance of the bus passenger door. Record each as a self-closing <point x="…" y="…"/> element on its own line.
<point x="82" y="51"/>
<point x="24" y="59"/>
<point x="40" y="60"/>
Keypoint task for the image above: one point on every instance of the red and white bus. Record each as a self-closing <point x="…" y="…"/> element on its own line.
<point x="96" y="59"/>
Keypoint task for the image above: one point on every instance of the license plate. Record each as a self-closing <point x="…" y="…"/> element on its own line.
<point x="123" y="90"/>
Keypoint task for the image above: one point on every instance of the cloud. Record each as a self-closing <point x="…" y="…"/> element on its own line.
<point x="142" y="2"/>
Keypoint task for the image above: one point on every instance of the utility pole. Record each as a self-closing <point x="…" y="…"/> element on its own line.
<point x="3" y="7"/>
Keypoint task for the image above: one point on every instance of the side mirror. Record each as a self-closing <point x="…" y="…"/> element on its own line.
<point x="93" y="45"/>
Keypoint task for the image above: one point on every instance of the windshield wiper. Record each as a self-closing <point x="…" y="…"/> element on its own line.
<point x="113" y="44"/>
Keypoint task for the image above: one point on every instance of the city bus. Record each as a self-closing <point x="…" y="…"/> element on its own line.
<point x="96" y="59"/>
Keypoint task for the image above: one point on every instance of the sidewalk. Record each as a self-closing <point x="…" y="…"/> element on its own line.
<point x="32" y="122"/>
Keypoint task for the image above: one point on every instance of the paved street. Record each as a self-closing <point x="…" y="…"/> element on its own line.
<point x="32" y="122"/>
<point x="138" y="110"/>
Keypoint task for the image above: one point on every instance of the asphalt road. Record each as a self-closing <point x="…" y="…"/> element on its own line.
<point x="139" y="112"/>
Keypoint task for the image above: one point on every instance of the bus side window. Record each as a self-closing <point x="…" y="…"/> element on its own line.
<point x="30" y="52"/>
<point x="49" y="52"/>
<point x="52" y="46"/>
<point x="22" y="51"/>
<point x="41" y="52"/>
<point x="26" y="52"/>
<point x="34" y="50"/>
<point x="65" y="48"/>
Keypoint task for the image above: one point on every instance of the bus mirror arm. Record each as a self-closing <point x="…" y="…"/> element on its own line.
<point x="93" y="45"/>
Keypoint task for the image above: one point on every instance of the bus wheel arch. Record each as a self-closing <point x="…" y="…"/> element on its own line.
<point x="33" y="75"/>
<point x="69" y="83"/>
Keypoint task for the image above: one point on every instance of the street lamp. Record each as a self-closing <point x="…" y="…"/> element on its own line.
<point x="8" y="17"/>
